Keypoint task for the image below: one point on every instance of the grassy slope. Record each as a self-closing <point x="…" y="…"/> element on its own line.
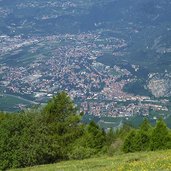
<point x="160" y="160"/>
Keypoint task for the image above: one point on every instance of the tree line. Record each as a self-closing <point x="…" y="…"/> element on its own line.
<point x="55" y="132"/>
<point x="148" y="138"/>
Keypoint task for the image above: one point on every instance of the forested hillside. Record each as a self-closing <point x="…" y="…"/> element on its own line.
<point x="56" y="132"/>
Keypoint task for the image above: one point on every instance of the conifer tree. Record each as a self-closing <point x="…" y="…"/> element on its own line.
<point x="143" y="136"/>
<point x="130" y="142"/>
<point x="160" y="138"/>
<point x="59" y="108"/>
<point x="145" y="126"/>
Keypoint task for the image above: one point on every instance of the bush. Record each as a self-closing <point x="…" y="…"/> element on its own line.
<point x="79" y="152"/>
<point x="115" y="147"/>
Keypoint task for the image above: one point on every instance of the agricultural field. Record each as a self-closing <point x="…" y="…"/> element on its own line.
<point x="13" y="103"/>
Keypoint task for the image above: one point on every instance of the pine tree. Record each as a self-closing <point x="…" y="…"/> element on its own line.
<point x="59" y="108"/>
<point x="145" y="126"/>
<point x="96" y="137"/>
<point x="160" y="138"/>
<point x="142" y="141"/>
<point x="130" y="142"/>
<point x="143" y="136"/>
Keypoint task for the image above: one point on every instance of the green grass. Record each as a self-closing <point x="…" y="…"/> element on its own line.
<point x="8" y="103"/>
<point x="150" y="161"/>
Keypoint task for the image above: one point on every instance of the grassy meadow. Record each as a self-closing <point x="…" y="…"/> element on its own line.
<point x="142" y="161"/>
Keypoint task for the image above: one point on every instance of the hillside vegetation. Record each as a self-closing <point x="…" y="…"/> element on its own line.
<point x="56" y="133"/>
<point x="142" y="161"/>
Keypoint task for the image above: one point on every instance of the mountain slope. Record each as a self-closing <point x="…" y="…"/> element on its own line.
<point x="160" y="160"/>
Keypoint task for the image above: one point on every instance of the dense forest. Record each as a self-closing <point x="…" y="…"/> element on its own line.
<point x="55" y="132"/>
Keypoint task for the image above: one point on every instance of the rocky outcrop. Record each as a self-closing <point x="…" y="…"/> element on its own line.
<point x="160" y="85"/>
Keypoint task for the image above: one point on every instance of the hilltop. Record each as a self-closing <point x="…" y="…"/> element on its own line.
<point x="159" y="160"/>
